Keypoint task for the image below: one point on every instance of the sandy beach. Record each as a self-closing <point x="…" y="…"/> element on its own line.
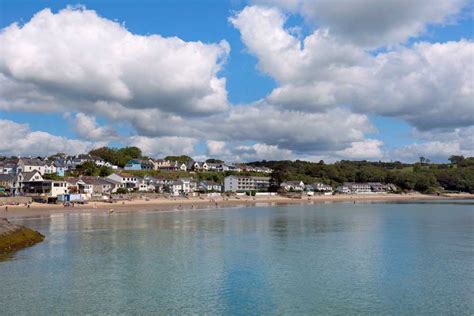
<point x="196" y="203"/>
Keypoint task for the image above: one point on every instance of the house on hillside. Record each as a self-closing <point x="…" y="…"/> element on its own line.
<point x="60" y="169"/>
<point x="197" y="166"/>
<point x="297" y="186"/>
<point x="8" y="167"/>
<point x="163" y="164"/>
<point x="99" y="162"/>
<point x="139" y="164"/>
<point x="232" y="167"/>
<point x="31" y="164"/>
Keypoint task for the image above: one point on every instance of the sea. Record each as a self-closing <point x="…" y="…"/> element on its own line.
<point x="397" y="258"/>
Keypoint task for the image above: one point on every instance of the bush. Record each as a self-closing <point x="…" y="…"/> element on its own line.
<point x="121" y="191"/>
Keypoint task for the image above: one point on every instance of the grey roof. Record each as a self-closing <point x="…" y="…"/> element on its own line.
<point x="208" y="182"/>
<point x="94" y="181"/>
<point x="116" y="183"/>
<point x="33" y="162"/>
<point x="6" y="177"/>
<point x="28" y="175"/>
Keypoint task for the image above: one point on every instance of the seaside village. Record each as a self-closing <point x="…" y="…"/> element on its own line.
<point x="48" y="181"/>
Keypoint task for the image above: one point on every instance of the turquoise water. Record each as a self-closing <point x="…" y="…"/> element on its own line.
<point x="330" y="259"/>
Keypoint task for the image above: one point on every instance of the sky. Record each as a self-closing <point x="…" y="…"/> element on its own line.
<point x="239" y="80"/>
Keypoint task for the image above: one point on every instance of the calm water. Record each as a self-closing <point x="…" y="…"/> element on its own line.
<point x="410" y="258"/>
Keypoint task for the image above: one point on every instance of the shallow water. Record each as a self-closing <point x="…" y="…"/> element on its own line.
<point x="335" y="258"/>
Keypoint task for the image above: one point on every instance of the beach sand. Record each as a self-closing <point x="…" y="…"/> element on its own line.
<point x="196" y="203"/>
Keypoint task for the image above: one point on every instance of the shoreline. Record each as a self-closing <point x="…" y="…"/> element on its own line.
<point x="190" y="204"/>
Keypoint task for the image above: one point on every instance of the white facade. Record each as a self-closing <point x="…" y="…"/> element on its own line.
<point x="292" y="185"/>
<point x="245" y="183"/>
<point x="29" y="165"/>
<point x="58" y="188"/>
<point x="127" y="181"/>
<point x="180" y="187"/>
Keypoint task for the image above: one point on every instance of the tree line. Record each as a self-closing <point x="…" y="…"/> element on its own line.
<point x="458" y="175"/>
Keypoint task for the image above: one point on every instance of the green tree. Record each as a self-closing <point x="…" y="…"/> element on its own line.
<point x="456" y="159"/>
<point x="180" y="159"/>
<point x="212" y="160"/>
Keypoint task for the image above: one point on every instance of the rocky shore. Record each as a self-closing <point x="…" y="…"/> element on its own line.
<point x="14" y="237"/>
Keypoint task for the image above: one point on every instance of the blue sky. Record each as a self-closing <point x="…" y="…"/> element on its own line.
<point x="246" y="83"/>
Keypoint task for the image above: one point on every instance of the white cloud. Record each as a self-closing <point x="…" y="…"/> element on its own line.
<point x="366" y="149"/>
<point x="438" y="145"/>
<point x="240" y="152"/>
<point x="77" y="56"/>
<point x="293" y="130"/>
<point x="263" y="151"/>
<point x="283" y="56"/>
<point x="87" y="127"/>
<point x="163" y="146"/>
<point x="373" y="23"/>
<point x="428" y="85"/>
<point x="217" y="148"/>
<point x="18" y="139"/>
<point x="170" y="91"/>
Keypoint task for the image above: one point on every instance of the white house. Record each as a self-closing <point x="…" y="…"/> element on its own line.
<point x="8" y="167"/>
<point x="29" y="165"/>
<point x="50" y="188"/>
<point x="319" y="187"/>
<point x="293" y="186"/>
<point x="358" y="187"/>
<point x="343" y="189"/>
<point x="127" y="180"/>
<point x="197" y="166"/>
<point x="180" y="187"/>
<point x="95" y="185"/>
<point x="210" y="186"/>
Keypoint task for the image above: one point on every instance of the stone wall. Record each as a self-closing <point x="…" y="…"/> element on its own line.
<point x="5" y="200"/>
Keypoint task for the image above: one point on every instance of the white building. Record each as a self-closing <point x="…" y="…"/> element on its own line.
<point x="246" y="183"/>
<point x="358" y="187"/>
<point x="29" y="165"/>
<point x="319" y="187"/>
<point x="126" y="180"/>
<point x="292" y="186"/>
<point x="180" y="187"/>
<point x="210" y="186"/>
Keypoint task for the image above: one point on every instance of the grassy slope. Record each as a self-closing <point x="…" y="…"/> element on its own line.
<point x="19" y="239"/>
